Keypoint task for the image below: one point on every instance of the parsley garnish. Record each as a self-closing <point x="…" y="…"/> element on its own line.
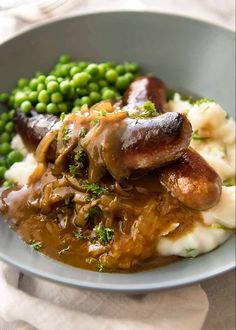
<point x="104" y="234"/>
<point x="65" y="134"/>
<point x="62" y="116"/>
<point x="147" y="110"/>
<point x="35" y="244"/>
<point x="82" y="132"/>
<point x="93" y="212"/>
<point x="73" y="170"/>
<point x="229" y="182"/>
<point x="64" y="250"/>
<point x="89" y="260"/>
<point x="67" y="200"/>
<point x="100" y="266"/>
<point x="79" y="234"/>
<point x="202" y="101"/>
<point x="190" y="252"/>
<point x="79" y="156"/>
<point x="95" y="120"/>
<point x="94" y="188"/>
<point x="197" y="137"/>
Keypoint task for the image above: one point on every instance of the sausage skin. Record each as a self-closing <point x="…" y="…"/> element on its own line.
<point x="144" y="89"/>
<point x="192" y="181"/>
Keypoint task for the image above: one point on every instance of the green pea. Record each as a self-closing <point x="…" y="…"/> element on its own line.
<point x="82" y="65"/>
<point x="93" y="87"/>
<point x="104" y="89"/>
<point x="41" y="107"/>
<point x="81" y="79"/>
<point x="26" y="106"/>
<point x="76" y="102"/>
<point x="52" y="86"/>
<point x="38" y="73"/>
<point x="5" y="137"/>
<point x="92" y="69"/>
<point x="4" y="97"/>
<point x="82" y="92"/>
<point x="102" y="83"/>
<point x="52" y="108"/>
<point x="40" y="87"/>
<point x="41" y="79"/>
<point x="9" y="127"/>
<point x="65" y="87"/>
<point x="19" y="98"/>
<point x="62" y="107"/>
<point x="75" y="109"/>
<point x="5" y="148"/>
<point x="85" y="100"/>
<point x="111" y="64"/>
<point x="33" y="84"/>
<point x="33" y="96"/>
<point x="131" y="67"/>
<point x="50" y="78"/>
<point x="120" y="69"/>
<point x="122" y="83"/>
<point x="111" y="76"/>
<point x="14" y="156"/>
<point x="43" y="96"/>
<point x="11" y="114"/>
<point x="129" y="76"/>
<point x="8" y="183"/>
<point x="3" y="162"/>
<point x="63" y="59"/>
<point x="11" y="101"/>
<point x="64" y="70"/>
<point x="74" y="70"/>
<point x="95" y="97"/>
<point x="72" y="93"/>
<point x="2" y="126"/>
<point x="102" y="69"/>
<point x="108" y="94"/>
<point x="2" y="171"/>
<point x="4" y="117"/>
<point x="56" y="98"/>
<point x="22" y="83"/>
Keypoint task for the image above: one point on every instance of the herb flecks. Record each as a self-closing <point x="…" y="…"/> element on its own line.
<point x="202" y="101"/>
<point x="94" y="188"/>
<point x="64" y="250"/>
<point x="65" y="133"/>
<point x="89" y="260"/>
<point x="79" y="234"/>
<point x="67" y="200"/>
<point x="229" y="182"/>
<point x="147" y="110"/>
<point x="104" y="234"/>
<point x="93" y="212"/>
<point x="73" y="170"/>
<point x="35" y="244"/>
<point x="197" y="137"/>
<point x="82" y="132"/>
<point x="190" y="252"/>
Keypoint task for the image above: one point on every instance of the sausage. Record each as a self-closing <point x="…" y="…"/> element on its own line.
<point x="154" y="142"/>
<point x="144" y="89"/>
<point x="192" y="181"/>
<point x="32" y="129"/>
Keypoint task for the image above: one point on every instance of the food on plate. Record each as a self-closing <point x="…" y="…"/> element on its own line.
<point x="124" y="181"/>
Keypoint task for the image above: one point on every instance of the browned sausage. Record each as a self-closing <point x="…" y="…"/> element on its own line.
<point x="145" y="89"/>
<point x="32" y="129"/>
<point x="192" y="181"/>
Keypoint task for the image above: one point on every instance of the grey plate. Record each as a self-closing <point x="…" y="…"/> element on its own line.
<point x="187" y="54"/>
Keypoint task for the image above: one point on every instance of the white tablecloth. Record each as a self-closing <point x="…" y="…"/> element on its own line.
<point x="177" y="309"/>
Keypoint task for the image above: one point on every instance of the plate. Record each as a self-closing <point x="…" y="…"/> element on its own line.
<point x="189" y="55"/>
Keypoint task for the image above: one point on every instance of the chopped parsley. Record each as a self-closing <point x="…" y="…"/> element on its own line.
<point x="100" y="266"/>
<point x="73" y="170"/>
<point x="197" y="137"/>
<point x="65" y="134"/>
<point x="190" y="252"/>
<point x="89" y="260"/>
<point x="95" y="121"/>
<point x="35" y="244"/>
<point x="202" y="101"/>
<point x="218" y="226"/>
<point x="62" y="116"/>
<point x="147" y="110"/>
<point x="82" y="132"/>
<point x="64" y="250"/>
<point x="229" y="182"/>
<point x="93" y="212"/>
<point x="67" y="200"/>
<point x="104" y="234"/>
<point x="94" y="188"/>
<point x="79" y="234"/>
<point x="79" y="156"/>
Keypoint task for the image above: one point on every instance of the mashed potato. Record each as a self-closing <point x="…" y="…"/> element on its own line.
<point x="214" y="139"/>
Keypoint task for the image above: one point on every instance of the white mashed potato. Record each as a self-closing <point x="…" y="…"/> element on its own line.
<point x="214" y="139"/>
<point x="21" y="171"/>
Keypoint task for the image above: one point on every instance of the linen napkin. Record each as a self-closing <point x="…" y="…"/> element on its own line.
<point x="28" y="303"/>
